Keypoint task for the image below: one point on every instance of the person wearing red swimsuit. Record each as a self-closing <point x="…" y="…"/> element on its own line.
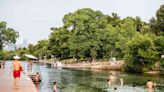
<point x="17" y="68"/>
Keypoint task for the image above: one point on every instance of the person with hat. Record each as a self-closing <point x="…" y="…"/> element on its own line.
<point x="17" y="68"/>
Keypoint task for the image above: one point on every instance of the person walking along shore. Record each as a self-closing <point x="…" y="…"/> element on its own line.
<point x="17" y="68"/>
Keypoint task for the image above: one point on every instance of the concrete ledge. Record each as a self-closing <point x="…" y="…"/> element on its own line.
<point x="153" y="72"/>
<point x="6" y="82"/>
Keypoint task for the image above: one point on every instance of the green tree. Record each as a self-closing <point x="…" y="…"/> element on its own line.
<point x="157" y="24"/>
<point x="162" y="66"/>
<point x="83" y="26"/>
<point x="58" y="42"/>
<point x="139" y="24"/>
<point x="159" y="42"/>
<point x="107" y="39"/>
<point x="7" y="35"/>
<point x="127" y="30"/>
<point x="140" y="53"/>
<point x="31" y="49"/>
<point x="91" y="34"/>
<point x="41" y="48"/>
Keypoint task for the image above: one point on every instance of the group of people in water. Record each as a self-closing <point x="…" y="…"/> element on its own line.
<point x="17" y="68"/>
<point x="112" y="83"/>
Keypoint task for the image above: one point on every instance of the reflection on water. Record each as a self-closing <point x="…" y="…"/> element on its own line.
<point x="71" y="80"/>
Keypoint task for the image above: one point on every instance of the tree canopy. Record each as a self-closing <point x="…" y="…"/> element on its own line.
<point x="7" y="35"/>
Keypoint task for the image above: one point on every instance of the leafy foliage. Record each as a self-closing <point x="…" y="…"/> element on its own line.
<point x="140" y="52"/>
<point x="157" y="24"/>
<point x="7" y="35"/>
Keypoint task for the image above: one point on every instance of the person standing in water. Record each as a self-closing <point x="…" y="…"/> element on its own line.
<point x="3" y="65"/>
<point x="37" y="77"/>
<point x="17" y="68"/>
<point x="54" y="87"/>
<point x="112" y="79"/>
<point x="150" y="86"/>
<point x="121" y="82"/>
<point x="109" y="83"/>
<point x="30" y="63"/>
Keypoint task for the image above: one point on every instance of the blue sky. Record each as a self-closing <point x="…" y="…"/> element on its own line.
<point x="34" y="18"/>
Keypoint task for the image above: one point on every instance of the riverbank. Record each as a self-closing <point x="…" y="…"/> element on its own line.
<point x="102" y="65"/>
<point x="97" y="65"/>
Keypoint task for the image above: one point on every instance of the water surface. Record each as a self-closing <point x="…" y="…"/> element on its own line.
<point x="74" y="80"/>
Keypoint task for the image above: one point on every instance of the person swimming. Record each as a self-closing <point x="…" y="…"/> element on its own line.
<point x="115" y="89"/>
<point x="150" y="86"/>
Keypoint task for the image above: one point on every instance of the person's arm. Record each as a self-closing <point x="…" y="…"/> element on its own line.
<point x="20" y="66"/>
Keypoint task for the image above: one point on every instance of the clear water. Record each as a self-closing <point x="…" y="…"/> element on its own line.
<point x="73" y="80"/>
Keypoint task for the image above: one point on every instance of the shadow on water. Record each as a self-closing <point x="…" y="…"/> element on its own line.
<point x="73" y="80"/>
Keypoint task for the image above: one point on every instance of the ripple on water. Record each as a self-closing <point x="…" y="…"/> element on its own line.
<point x="71" y="80"/>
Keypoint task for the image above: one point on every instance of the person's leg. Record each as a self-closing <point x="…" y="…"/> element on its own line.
<point x="15" y="84"/>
